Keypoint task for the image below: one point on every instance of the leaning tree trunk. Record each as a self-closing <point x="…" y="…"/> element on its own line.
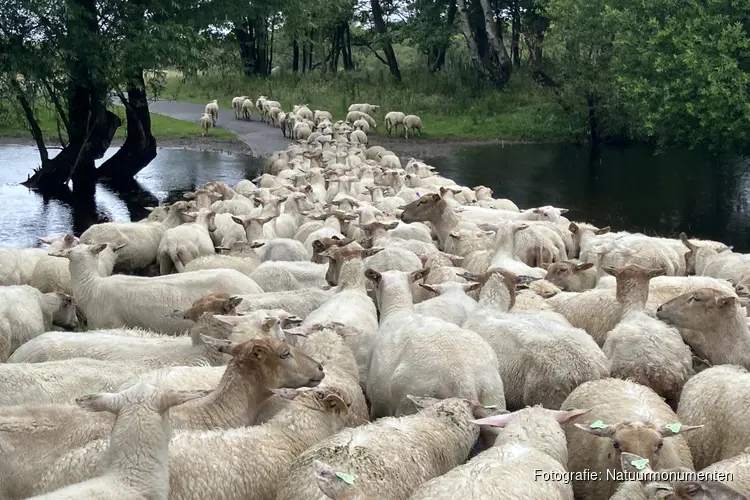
<point x="516" y="35"/>
<point x="91" y="126"/>
<point x="496" y="65"/>
<point x="295" y="55"/>
<point x="140" y="145"/>
<point x="380" y="27"/>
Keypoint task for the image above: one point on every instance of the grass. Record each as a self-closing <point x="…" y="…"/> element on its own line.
<point x="451" y="106"/>
<point x="13" y="124"/>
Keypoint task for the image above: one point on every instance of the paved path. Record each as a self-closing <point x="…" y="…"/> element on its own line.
<point x="263" y="139"/>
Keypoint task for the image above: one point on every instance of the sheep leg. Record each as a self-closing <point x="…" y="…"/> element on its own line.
<point x="165" y="265"/>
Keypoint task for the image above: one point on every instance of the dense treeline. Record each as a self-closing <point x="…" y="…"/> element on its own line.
<point x="673" y="72"/>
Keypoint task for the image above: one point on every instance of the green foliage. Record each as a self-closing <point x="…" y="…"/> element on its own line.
<point x="682" y="70"/>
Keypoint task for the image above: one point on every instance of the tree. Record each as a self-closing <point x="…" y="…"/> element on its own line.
<point x="485" y="40"/>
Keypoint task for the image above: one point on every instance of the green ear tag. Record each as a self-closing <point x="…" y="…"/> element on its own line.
<point x="639" y="464"/>
<point x="597" y="425"/>
<point x="674" y="427"/>
<point x="490" y="407"/>
<point x="349" y="479"/>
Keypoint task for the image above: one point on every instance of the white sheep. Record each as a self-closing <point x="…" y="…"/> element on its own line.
<point x="439" y="437"/>
<point x="370" y="109"/>
<point x="179" y="245"/>
<point x="246" y="110"/>
<point x="624" y="417"/>
<point x="137" y="465"/>
<point x="51" y="274"/>
<point x="412" y="122"/>
<point x="212" y="109"/>
<point x="299" y="302"/>
<point x="279" y="276"/>
<point x="392" y="120"/>
<point x="17" y="264"/>
<point x="452" y="304"/>
<point x="205" y="122"/>
<point x="120" y="300"/>
<point x="25" y="313"/>
<point x="353" y="116"/>
<point x="359" y="137"/>
<point x="237" y="105"/>
<point x="320" y="115"/>
<point x="531" y="442"/>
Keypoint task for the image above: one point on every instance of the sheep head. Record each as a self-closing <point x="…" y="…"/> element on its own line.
<point x="427" y="207"/>
<point x="644" y="439"/>
<point x="563" y="274"/>
<point x="703" y="309"/>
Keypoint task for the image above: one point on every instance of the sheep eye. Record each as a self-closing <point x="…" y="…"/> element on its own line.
<point x="285" y="354"/>
<point x="616" y="444"/>
<point x="659" y="445"/>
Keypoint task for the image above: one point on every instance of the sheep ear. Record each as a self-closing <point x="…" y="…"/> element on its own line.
<point x="369" y="252"/>
<point x="46" y="241"/>
<point x="653" y="273"/>
<point x="600" y="431"/>
<point x="189" y="196"/>
<point x="610" y="270"/>
<point x="419" y="274"/>
<point x="373" y="276"/>
<point x="573" y="227"/>
<point x="544" y="265"/>
<point x="496" y="420"/>
<point x="96" y="249"/>
<point x="431" y="288"/>
<point x="336" y="403"/>
<point x="603" y="230"/>
<point x="422" y="401"/>
<point x="105" y="401"/>
<point x="119" y="246"/>
<point x="231" y="303"/>
<point x="670" y="430"/>
<point x="468" y="287"/>
<point x="257" y="244"/>
<point x="268" y="323"/>
<point x="177" y="315"/>
<point x="562" y="416"/>
<point x="470" y="277"/>
<point x="220" y="345"/>
<point x="285" y="393"/>
<point x="175" y="398"/>
<point x="564" y="210"/>
<point x="723" y="302"/>
<point x="149" y="209"/>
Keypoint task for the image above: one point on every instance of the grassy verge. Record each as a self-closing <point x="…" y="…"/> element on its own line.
<point x="450" y="107"/>
<point x="13" y="125"/>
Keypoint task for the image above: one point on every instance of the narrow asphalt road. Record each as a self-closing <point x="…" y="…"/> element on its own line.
<point x="263" y="139"/>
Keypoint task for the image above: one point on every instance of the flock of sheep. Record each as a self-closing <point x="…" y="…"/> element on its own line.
<point x="351" y="327"/>
<point x="303" y="124"/>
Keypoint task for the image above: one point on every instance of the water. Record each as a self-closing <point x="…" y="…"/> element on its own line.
<point x="26" y="215"/>
<point x="631" y="189"/>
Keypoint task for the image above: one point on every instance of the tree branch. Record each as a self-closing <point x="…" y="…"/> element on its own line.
<point x="36" y="131"/>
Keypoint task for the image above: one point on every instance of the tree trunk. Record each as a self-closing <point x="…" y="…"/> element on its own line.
<point x="594" y="137"/>
<point x="140" y="145"/>
<point x="436" y="57"/>
<point x="348" y="61"/>
<point x="245" y="39"/>
<point x="335" y="49"/>
<point x="310" y="57"/>
<point x="91" y="126"/>
<point x="36" y="131"/>
<point x="269" y="49"/>
<point x="253" y="39"/>
<point x="295" y="56"/>
<point x="380" y="27"/>
<point x="516" y="35"/>
<point x="495" y="63"/>
<point x="304" y="57"/>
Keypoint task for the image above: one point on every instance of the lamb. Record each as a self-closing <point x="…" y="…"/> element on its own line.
<point x="412" y="122"/>
<point x="51" y="274"/>
<point x="119" y="300"/>
<point x="136" y="463"/>
<point x="206" y="122"/>
<point x="359" y="137"/>
<point x="156" y="351"/>
<point x="17" y="264"/>
<point x="25" y="313"/>
<point x="634" y="419"/>
<point x="541" y="359"/>
<point x="440" y="437"/>
<point x="713" y="323"/>
<point x="504" y="257"/>
<point x="212" y="109"/>
<point x="452" y="304"/>
<point x="531" y="441"/>
<point x="193" y="456"/>
<point x="413" y="353"/>
<point x="392" y="120"/>
<point x="642" y="348"/>
<point x="141" y="239"/>
<point x="361" y="125"/>
<point x="215" y="303"/>
<point x="717" y="399"/>
<point x="369" y="109"/>
<point x="179" y="245"/>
